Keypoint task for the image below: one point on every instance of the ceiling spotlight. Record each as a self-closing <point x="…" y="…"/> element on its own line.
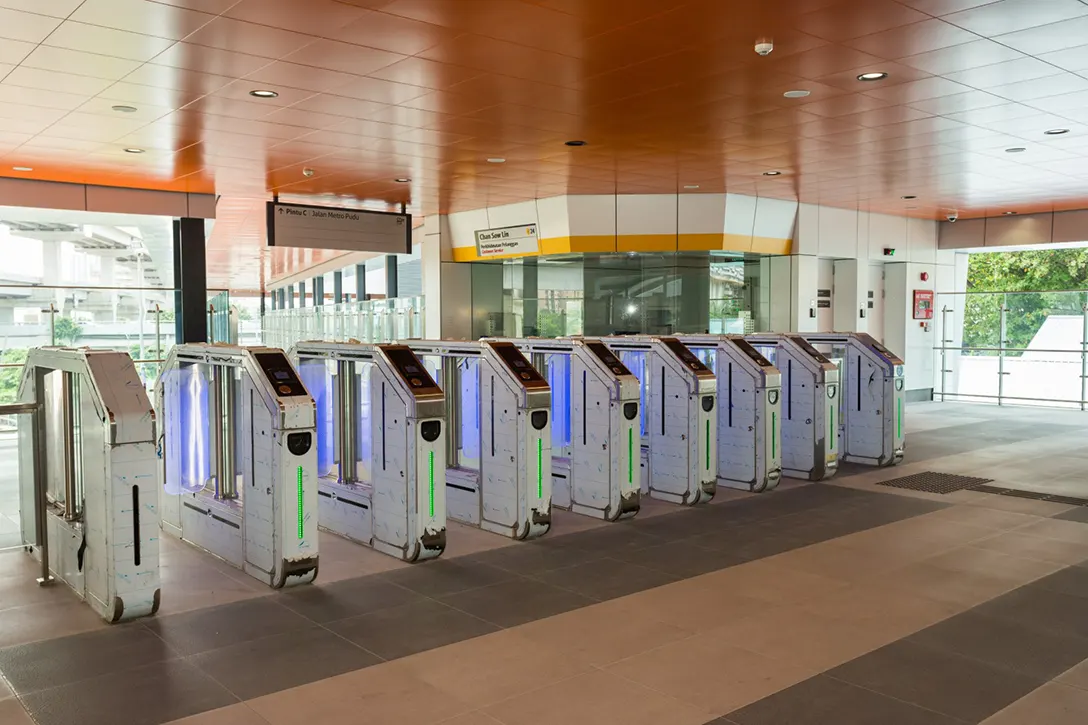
<point x="772" y="173"/>
<point x="21" y="168"/>
<point x="575" y="143"/>
<point x="1011" y="213"/>
<point x="691" y="186"/>
<point x="402" y="180"/>
<point x="1015" y="150"/>
<point x="908" y="197"/>
<point x="496" y="160"/>
<point x="133" y="150"/>
<point x="796" y="94"/>
<point x="259" y="93"/>
<point x="1056" y="131"/>
<point x="874" y="76"/>
<point x="121" y="108"/>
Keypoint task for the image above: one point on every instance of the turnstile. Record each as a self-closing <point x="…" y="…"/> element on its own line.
<point x="679" y="421"/>
<point x="749" y="414"/>
<point x="595" y="418"/>
<point x="381" y="446"/>
<point x="498" y="436"/>
<point x="871" y="405"/>
<point x="87" y="465"/>
<point x="238" y="462"/>
<point x="810" y="402"/>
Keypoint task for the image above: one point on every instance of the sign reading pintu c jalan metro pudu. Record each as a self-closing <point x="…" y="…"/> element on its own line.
<point x="327" y="227"/>
<point x="507" y="241"/>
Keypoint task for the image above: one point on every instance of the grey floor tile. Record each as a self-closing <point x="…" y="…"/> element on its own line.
<point x="1072" y="580"/>
<point x="61" y="661"/>
<point x="679" y="525"/>
<point x="1040" y="608"/>
<point x="348" y="598"/>
<point x="207" y="629"/>
<point x="681" y="559"/>
<point x="412" y="628"/>
<point x="516" y="602"/>
<point x="606" y="579"/>
<point x="620" y="536"/>
<point x="281" y="661"/>
<point x="148" y="695"/>
<point x="440" y="577"/>
<point x="936" y="680"/>
<point x="824" y="701"/>
<point x="1079" y="514"/>
<point x="1006" y="644"/>
<point x="536" y="556"/>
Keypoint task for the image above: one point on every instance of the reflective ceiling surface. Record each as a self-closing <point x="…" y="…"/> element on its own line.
<point x="667" y="95"/>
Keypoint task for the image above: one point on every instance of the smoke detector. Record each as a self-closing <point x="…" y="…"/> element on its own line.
<point x="764" y="47"/>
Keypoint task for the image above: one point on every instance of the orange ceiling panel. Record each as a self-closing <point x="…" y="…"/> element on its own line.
<point x="666" y="95"/>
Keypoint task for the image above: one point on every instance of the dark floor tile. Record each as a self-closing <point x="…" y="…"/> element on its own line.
<point x="207" y="629"/>
<point x="680" y="525"/>
<point x="348" y="598"/>
<point x="440" y="577"/>
<point x="536" y="556"/>
<point x="824" y="701"/>
<point x="148" y="695"/>
<point x="281" y="661"/>
<point x="61" y="661"/>
<point x="607" y="579"/>
<point x="682" y="559"/>
<point x="1006" y="644"/>
<point x="1078" y="514"/>
<point x="1040" y="608"/>
<point x="516" y="602"/>
<point x="1072" y="580"/>
<point x="936" y="680"/>
<point x="620" y="536"/>
<point x="416" y="627"/>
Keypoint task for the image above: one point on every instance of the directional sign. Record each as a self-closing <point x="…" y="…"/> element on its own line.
<point x="326" y="227"/>
<point x="507" y="241"/>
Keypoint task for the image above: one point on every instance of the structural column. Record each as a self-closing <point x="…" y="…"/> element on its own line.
<point x="190" y="281"/>
<point x="529" y="298"/>
<point x="360" y="282"/>
<point x="391" y="276"/>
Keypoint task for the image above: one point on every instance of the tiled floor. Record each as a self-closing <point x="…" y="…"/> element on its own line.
<point x="833" y="603"/>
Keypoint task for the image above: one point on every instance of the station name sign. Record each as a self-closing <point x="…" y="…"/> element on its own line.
<point x="325" y="227"/>
<point x="507" y="241"/>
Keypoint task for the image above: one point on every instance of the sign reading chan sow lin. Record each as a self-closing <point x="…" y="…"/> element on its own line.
<point x="326" y="227"/>
<point x="507" y="241"/>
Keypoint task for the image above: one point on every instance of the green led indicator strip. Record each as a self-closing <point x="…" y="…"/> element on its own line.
<point x="774" y="422"/>
<point x="899" y="416"/>
<point x="540" y="468"/>
<point x="301" y="513"/>
<point x="708" y="445"/>
<point x="430" y="479"/>
<point x="630" y="455"/>
<point x="832" y="432"/>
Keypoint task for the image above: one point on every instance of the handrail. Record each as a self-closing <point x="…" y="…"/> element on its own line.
<point x="18" y="408"/>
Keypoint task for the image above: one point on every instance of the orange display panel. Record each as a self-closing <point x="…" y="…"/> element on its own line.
<point x="666" y="95"/>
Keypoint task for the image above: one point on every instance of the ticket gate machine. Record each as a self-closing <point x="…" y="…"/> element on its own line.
<point x="871" y="406"/>
<point x="810" y="402"/>
<point x="238" y="464"/>
<point x="679" y="422"/>
<point x="595" y="418"/>
<point x="498" y="436"/>
<point x="88" y="499"/>
<point x="749" y="429"/>
<point x="381" y="449"/>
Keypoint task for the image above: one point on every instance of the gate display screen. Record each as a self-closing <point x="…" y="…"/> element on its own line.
<point x="605" y="355"/>
<point x="807" y="347"/>
<point x="686" y="356"/>
<point x="525" y="373"/>
<point x="280" y="373"/>
<point x="751" y="352"/>
<point x="411" y="369"/>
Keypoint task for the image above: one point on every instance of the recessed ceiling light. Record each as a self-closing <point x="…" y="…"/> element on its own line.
<point x="796" y="94"/>
<point x="121" y="108"/>
<point x="1015" y="150"/>
<point x="873" y="76"/>
<point x="691" y="186"/>
<point x="1011" y="213"/>
<point x="133" y="150"/>
<point x="496" y="160"/>
<point x="908" y="197"/>
<point x="260" y="93"/>
<point x="772" y="173"/>
<point x="21" y="168"/>
<point x="576" y="143"/>
<point x="1056" y="131"/>
<point x="402" y="180"/>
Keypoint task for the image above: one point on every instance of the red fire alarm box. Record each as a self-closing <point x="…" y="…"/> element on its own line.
<point x="923" y="304"/>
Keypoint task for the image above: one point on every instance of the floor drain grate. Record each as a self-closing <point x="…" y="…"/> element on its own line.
<point x="931" y="482"/>
<point x="1032" y="495"/>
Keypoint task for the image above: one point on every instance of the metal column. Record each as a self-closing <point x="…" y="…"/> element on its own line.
<point x="391" y="276"/>
<point x="338" y="286"/>
<point x="1001" y="343"/>
<point x="360" y="282"/>
<point x="451" y="386"/>
<point x="319" y="291"/>
<point x="225" y="468"/>
<point x="190" y="281"/>
<point x="347" y="389"/>
<point x="944" y="351"/>
<point x="301" y="294"/>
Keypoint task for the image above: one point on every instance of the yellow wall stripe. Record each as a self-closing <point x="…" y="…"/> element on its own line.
<point x="604" y="244"/>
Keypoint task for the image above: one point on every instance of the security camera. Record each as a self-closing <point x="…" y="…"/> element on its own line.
<point x="764" y="47"/>
<point x="953" y="216"/>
